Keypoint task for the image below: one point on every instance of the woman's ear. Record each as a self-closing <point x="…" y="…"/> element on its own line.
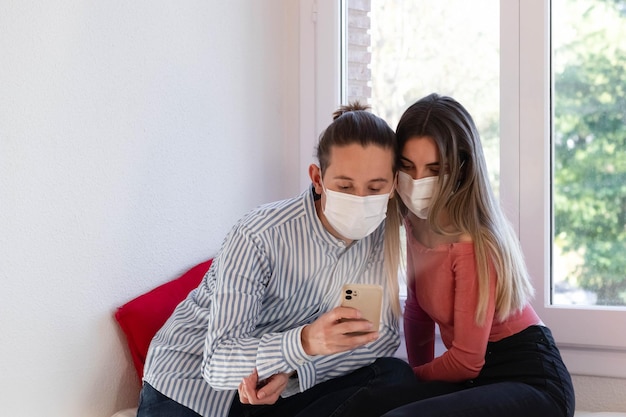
<point x="315" y="173"/>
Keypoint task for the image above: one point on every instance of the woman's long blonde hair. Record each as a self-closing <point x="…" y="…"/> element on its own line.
<point x="468" y="198"/>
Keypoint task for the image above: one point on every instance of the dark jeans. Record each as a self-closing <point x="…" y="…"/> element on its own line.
<point x="523" y="376"/>
<point x="154" y="404"/>
<point x="367" y="392"/>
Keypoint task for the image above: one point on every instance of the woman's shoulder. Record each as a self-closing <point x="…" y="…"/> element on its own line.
<point x="465" y="238"/>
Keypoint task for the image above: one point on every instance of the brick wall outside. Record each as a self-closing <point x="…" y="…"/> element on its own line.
<point x="359" y="54"/>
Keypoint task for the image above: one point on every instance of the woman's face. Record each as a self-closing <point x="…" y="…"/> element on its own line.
<point x="420" y="158"/>
<point x="357" y="170"/>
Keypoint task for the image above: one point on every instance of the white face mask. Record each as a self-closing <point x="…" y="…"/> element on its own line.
<point x="355" y="217"/>
<point x="416" y="194"/>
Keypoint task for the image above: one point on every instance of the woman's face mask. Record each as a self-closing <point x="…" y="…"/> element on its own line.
<point x="416" y="194"/>
<point x="354" y="217"/>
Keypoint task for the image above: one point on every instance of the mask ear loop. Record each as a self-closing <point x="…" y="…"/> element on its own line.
<point x="324" y="187"/>
<point x="394" y="186"/>
<point x="458" y="183"/>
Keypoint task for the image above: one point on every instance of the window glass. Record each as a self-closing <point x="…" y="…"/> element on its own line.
<point x="395" y="52"/>
<point x="589" y="152"/>
<point x="399" y="51"/>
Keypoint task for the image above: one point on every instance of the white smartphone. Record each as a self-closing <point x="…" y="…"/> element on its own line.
<point x="366" y="298"/>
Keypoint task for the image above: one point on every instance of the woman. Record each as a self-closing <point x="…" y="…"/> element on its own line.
<point x="466" y="273"/>
<point x="262" y="334"/>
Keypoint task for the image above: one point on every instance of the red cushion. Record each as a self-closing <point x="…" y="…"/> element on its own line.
<point x="143" y="316"/>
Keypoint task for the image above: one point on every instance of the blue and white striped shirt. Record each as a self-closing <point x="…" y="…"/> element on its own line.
<point x="278" y="270"/>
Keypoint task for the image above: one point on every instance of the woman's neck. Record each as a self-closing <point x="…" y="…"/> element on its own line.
<point x="426" y="236"/>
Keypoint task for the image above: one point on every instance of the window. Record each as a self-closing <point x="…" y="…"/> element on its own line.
<point x="589" y="163"/>
<point x="592" y="338"/>
<point x="397" y="51"/>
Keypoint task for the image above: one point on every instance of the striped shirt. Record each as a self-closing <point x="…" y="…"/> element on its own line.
<point x="277" y="270"/>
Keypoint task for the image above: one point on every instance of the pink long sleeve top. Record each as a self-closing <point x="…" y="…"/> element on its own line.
<point x="443" y="289"/>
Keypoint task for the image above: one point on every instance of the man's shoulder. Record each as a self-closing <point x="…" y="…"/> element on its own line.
<point x="278" y="213"/>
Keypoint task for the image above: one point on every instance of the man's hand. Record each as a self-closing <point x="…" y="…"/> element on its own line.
<point x="266" y="392"/>
<point x="339" y="330"/>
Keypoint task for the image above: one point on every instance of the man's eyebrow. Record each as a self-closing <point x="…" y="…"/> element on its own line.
<point x="343" y="177"/>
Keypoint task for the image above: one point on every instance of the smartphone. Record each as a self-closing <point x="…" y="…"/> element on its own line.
<point x="366" y="298"/>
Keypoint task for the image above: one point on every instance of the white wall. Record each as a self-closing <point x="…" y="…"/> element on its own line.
<point x="132" y="135"/>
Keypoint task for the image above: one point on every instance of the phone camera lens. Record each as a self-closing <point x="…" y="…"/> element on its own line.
<point x="348" y="297"/>
<point x="348" y="291"/>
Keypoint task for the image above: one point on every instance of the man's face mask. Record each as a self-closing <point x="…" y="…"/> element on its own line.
<point x="355" y="217"/>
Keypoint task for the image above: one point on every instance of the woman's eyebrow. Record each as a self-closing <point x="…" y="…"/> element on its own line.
<point x="430" y="164"/>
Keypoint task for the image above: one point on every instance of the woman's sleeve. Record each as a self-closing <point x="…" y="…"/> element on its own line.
<point x="465" y="356"/>
<point x="419" y="328"/>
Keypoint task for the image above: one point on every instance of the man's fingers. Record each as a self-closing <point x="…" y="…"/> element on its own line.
<point x="339" y="313"/>
<point x="255" y="392"/>
<point x="354" y="326"/>
<point x="273" y="387"/>
<point x="338" y="330"/>
<point x="243" y="398"/>
<point x="247" y="388"/>
<point x="269" y="394"/>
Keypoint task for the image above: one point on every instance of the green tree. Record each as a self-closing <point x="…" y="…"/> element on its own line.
<point x="590" y="147"/>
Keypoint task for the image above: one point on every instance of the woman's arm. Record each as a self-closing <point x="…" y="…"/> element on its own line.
<point x="419" y="327"/>
<point x="419" y="333"/>
<point x="465" y="356"/>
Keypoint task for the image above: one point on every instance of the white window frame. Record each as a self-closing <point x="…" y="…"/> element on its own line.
<point x="592" y="339"/>
<point x="320" y="73"/>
